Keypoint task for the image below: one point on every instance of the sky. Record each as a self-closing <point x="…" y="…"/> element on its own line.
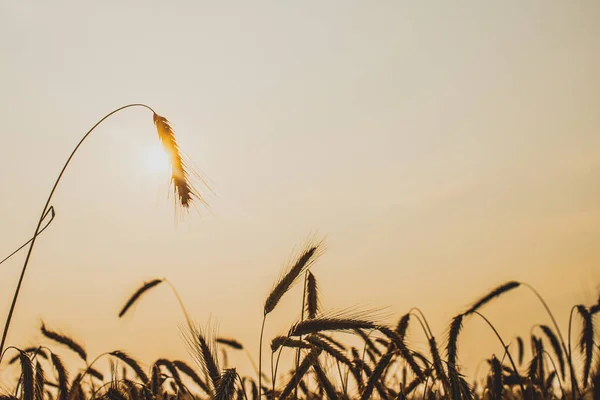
<point x="440" y="148"/>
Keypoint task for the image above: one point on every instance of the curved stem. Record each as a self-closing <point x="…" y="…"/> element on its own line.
<point x="424" y="326"/>
<point x="185" y="313"/>
<point x="556" y="371"/>
<point x="301" y="319"/>
<point x="574" y="385"/>
<point x="262" y="331"/>
<point x="417" y="309"/>
<point x="44" y="210"/>
<point x="505" y="349"/>
<point x="50" y="211"/>
<point x="242" y="385"/>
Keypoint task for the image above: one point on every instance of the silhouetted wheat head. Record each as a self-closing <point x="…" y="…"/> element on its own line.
<point x="180" y="173"/>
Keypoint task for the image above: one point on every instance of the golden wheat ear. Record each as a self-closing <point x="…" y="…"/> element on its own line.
<point x="181" y="174"/>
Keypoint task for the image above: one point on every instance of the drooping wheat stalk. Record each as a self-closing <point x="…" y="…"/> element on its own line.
<point x="234" y="344"/>
<point x="309" y="254"/>
<point x="63" y="376"/>
<point x="555" y="347"/>
<point x="497" y="292"/>
<point x="184" y="190"/>
<point x="28" y="377"/>
<point x="317" y="325"/>
<point x="180" y="173"/>
<point x="138" y="293"/>
<point x="65" y="341"/>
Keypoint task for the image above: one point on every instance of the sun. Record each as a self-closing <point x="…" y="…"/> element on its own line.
<point x="157" y="159"/>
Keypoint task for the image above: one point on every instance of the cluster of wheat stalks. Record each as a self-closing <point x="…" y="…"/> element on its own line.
<point x="384" y="365"/>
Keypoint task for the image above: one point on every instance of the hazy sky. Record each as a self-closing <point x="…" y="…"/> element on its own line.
<point x="442" y="148"/>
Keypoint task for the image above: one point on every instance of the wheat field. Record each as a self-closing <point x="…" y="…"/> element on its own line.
<point x="335" y="354"/>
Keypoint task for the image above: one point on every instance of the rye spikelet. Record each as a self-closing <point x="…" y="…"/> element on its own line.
<point x="189" y="371"/>
<point x="39" y="382"/>
<point x="65" y="341"/>
<point x="95" y="373"/>
<point x="156" y="380"/>
<point x="497" y="292"/>
<point x="586" y="341"/>
<point x="132" y="364"/>
<point x="234" y="344"/>
<point x="451" y="350"/>
<point x="76" y="392"/>
<point x="437" y="363"/>
<point x="415" y="383"/>
<point x="521" y="349"/>
<point x="497" y="376"/>
<point x="173" y="371"/>
<point x="202" y="348"/>
<point x="555" y="347"/>
<point x="311" y="251"/>
<point x="183" y="189"/>
<point x="316" y="325"/>
<point x="34" y="351"/>
<point x="27" y="376"/>
<point x="377" y="372"/>
<point x="63" y="377"/>
<point x="226" y="387"/>
<point x="312" y="296"/>
<point x="465" y="389"/>
<point x="403" y="350"/>
<point x="286" y="341"/>
<point x="453" y="333"/>
<point x="325" y="382"/>
<point x="403" y="325"/>
<point x="329" y="349"/>
<point x="332" y="341"/>
<point x="309" y="360"/>
<point x="138" y="293"/>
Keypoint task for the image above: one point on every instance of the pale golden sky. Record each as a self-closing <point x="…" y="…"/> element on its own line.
<point x="442" y="147"/>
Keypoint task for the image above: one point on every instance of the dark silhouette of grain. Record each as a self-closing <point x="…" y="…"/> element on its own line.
<point x="65" y="341"/>
<point x="138" y="293"/>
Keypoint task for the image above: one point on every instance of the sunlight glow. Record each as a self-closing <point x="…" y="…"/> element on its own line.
<point x="157" y="159"/>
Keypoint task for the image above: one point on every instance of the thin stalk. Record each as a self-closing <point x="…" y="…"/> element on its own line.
<point x="43" y="214"/>
<point x="242" y="385"/>
<point x="301" y="319"/>
<point x="574" y="385"/>
<point x="557" y="375"/>
<point x="424" y="320"/>
<point x="262" y="331"/>
<point x="180" y="301"/>
<point x="505" y="348"/>
<point x="569" y="341"/>
<point x="50" y="211"/>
